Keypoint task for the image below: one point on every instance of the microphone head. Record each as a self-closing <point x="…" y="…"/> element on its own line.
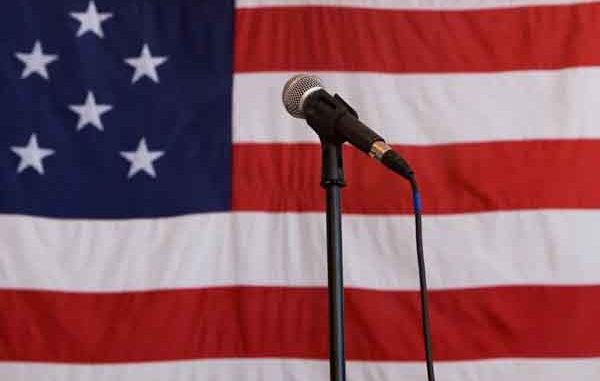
<point x="296" y="90"/>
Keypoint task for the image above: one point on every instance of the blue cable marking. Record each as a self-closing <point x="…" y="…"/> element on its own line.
<point x="417" y="201"/>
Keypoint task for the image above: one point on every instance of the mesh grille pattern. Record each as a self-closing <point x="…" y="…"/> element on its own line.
<point x="293" y="91"/>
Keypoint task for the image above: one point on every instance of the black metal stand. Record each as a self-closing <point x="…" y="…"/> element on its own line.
<point x="336" y="122"/>
<point x="332" y="180"/>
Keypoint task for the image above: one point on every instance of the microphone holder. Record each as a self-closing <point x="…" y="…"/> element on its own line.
<point x="332" y="180"/>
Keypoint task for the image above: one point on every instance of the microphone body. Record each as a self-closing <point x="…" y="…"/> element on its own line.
<point x="336" y="121"/>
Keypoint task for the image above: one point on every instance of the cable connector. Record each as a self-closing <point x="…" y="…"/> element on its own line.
<point x="397" y="164"/>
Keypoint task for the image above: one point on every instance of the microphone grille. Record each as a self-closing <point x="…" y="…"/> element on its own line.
<point x="294" y="91"/>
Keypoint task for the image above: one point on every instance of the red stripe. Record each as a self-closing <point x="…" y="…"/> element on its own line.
<point x="289" y="322"/>
<point x="416" y="41"/>
<point x="456" y="178"/>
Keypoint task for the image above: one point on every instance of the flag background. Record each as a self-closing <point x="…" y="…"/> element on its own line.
<point x="215" y="269"/>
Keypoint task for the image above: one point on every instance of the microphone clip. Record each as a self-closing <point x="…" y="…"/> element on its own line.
<point x="323" y="112"/>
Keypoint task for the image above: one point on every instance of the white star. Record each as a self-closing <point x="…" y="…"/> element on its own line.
<point x="91" y="20"/>
<point x="90" y="112"/>
<point x="36" y="61"/>
<point x="32" y="155"/>
<point x="145" y="65"/>
<point x="142" y="159"/>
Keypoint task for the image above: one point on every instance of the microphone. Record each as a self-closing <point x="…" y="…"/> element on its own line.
<point x="335" y="121"/>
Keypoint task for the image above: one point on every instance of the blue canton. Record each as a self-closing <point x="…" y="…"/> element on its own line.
<point x="115" y="109"/>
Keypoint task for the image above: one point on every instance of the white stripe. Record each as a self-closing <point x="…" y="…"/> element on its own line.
<point x="302" y="370"/>
<point x="432" y="109"/>
<point x="542" y="247"/>
<point x="407" y="4"/>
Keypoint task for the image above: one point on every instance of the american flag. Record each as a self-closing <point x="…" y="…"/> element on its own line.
<point x="161" y="215"/>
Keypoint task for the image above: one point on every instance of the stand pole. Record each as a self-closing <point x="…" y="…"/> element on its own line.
<point x="332" y="180"/>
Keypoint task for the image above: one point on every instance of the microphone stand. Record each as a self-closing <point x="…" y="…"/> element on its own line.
<point x="332" y="180"/>
<point x="324" y="113"/>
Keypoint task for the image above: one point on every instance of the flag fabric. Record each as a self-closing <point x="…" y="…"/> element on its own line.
<point x="161" y="216"/>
